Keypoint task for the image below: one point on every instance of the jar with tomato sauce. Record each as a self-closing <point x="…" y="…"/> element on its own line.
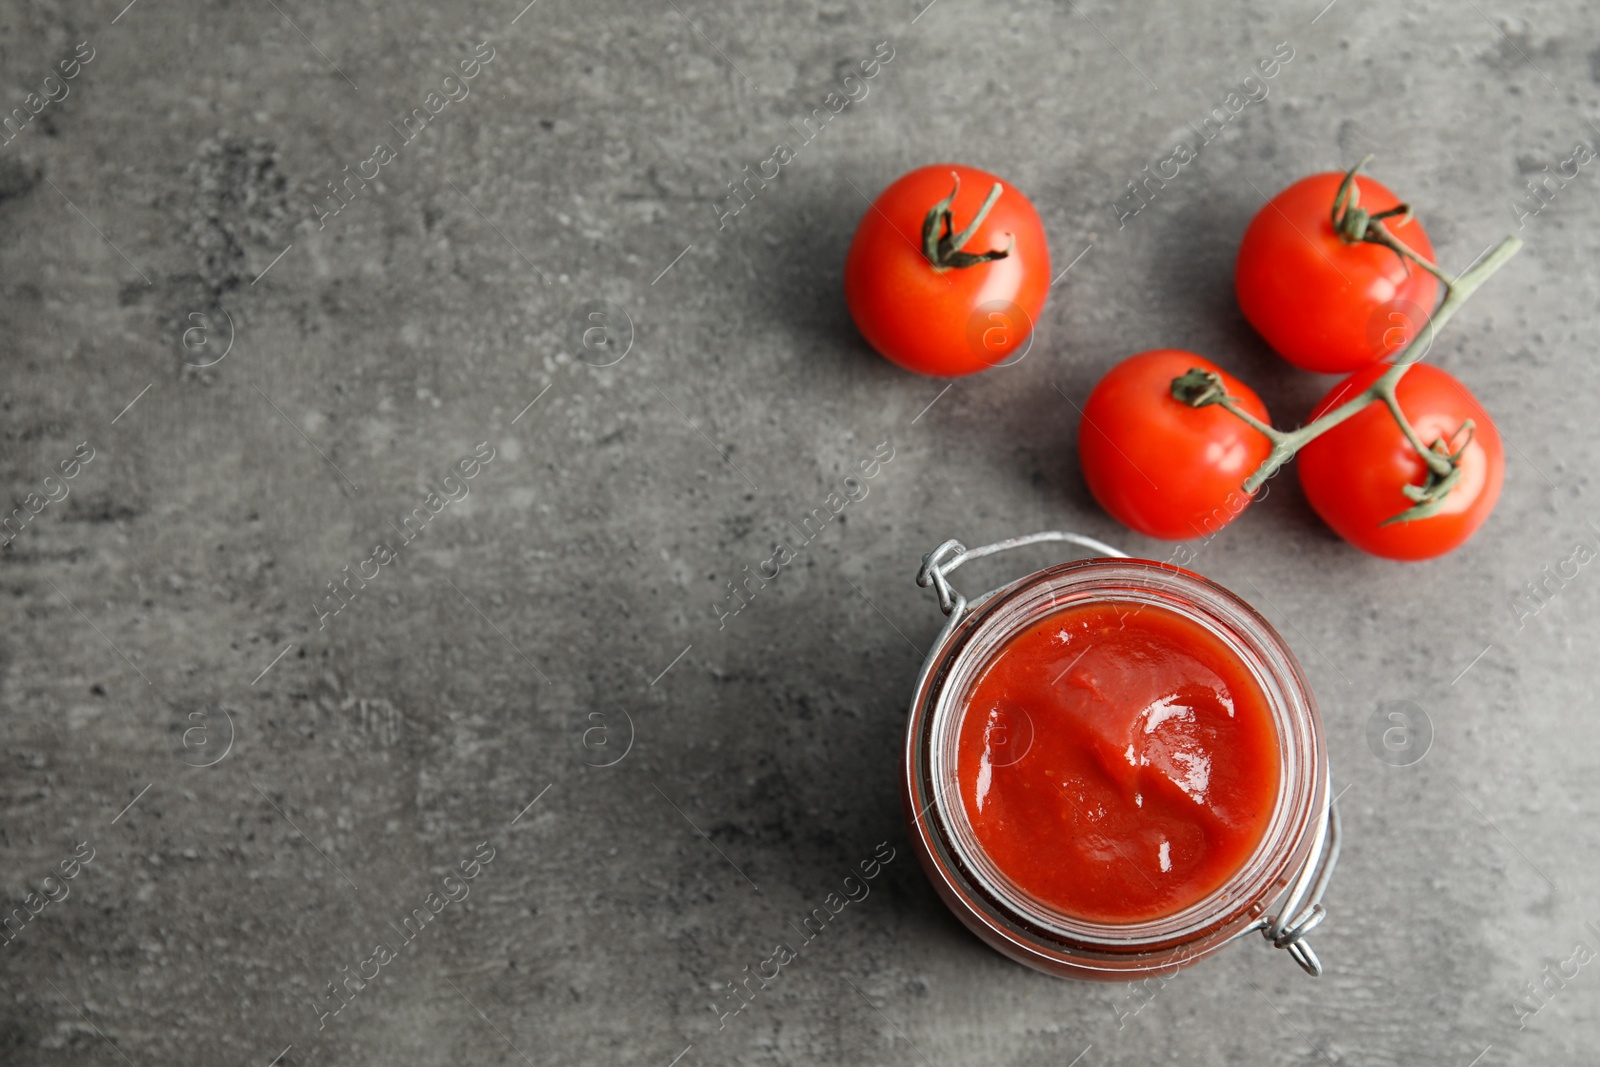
<point x="1114" y="767"/>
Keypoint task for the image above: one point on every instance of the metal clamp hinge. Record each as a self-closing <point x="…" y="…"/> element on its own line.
<point x="1288" y="929"/>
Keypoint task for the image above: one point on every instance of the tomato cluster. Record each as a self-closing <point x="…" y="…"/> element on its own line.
<point x="1333" y="272"/>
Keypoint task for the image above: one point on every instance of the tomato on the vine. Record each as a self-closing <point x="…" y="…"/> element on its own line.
<point x="1355" y="475"/>
<point x="1160" y="466"/>
<point x="1323" y="301"/>
<point x="948" y="271"/>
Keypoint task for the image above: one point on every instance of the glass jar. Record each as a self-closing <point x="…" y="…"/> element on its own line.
<point x="1279" y="887"/>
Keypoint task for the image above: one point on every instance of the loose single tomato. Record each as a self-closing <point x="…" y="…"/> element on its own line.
<point x="1356" y="473"/>
<point x="1160" y="466"/>
<point x="936" y="295"/>
<point x="1323" y="302"/>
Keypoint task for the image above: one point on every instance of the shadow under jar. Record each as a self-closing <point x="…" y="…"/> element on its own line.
<point x="1114" y="767"/>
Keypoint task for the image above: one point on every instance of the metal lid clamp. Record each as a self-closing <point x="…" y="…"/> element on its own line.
<point x="1301" y="909"/>
<point x="1289" y="927"/>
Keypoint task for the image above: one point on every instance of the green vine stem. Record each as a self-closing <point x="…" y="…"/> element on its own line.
<point x="944" y="250"/>
<point x="1354" y="224"/>
<point x="1199" y="388"/>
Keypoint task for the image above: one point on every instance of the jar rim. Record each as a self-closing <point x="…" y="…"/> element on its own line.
<point x="967" y="647"/>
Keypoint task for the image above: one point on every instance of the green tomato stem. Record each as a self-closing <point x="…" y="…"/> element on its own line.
<point x="960" y="239"/>
<point x="944" y="250"/>
<point x="1273" y="434"/>
<point x="1438" y="464"/>
<point x="1354" y="224"/>
<point x="1378" y="233"/>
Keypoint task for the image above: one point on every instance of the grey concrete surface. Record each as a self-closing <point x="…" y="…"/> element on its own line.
<point x="265" y="794"/>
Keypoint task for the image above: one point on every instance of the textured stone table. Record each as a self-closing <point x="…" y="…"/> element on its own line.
<point x="252" y="791"/>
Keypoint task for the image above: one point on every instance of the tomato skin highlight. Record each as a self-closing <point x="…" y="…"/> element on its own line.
<point x="1323" y="304"/>
<point x="1353" y="473"/>
<point x="946" y="322"/>
<point x="1158" y="465"/>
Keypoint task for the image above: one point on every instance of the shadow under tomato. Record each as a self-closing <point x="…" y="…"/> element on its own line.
<point x="793" y="238"/>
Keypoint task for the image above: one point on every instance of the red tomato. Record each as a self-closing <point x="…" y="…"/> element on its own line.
<point x="1158" y="465"/>
<point x="947" y="320"/>
<point x="1322" y="303"/>
<point x="1353" y="473"/>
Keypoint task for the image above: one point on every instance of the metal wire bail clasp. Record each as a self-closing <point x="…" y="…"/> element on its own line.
<point x="938" y="564"/>
<point x="1288" y="929"/>
<point x="951" y="554"/>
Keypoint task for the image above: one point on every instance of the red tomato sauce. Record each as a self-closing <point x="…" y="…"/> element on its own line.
<point x="1118" y="762"/>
